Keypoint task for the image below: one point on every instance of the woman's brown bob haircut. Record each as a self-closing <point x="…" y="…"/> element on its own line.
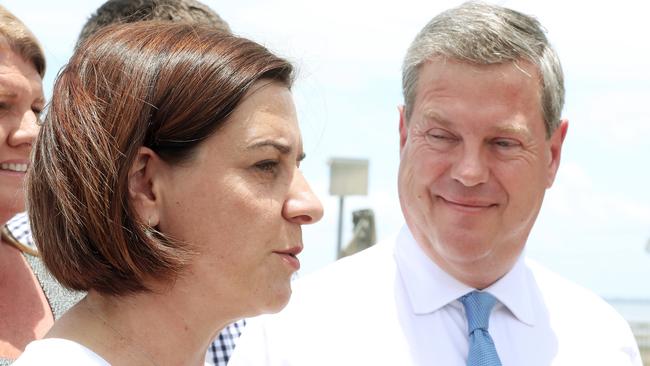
<point x="21" y="40"/>
<point x="166" y="86"/>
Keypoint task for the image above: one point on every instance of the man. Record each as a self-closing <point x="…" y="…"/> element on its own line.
<point x="480" y="142"/>
<point x="127" y="11"/>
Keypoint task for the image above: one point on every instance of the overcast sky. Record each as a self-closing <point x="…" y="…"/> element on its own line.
<point x="595" y="223"/>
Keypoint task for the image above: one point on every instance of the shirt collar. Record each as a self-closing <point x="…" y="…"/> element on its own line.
<point x="513" y="290"/>
<point x="429" y="288"/>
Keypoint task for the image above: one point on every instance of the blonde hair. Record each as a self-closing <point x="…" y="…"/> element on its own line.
<point x="21" y="40"/>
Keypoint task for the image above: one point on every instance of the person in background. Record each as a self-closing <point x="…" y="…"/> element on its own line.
<point x="161" y="141"/>
<point x="130" y="11"/>
<point x="481" y="137"/>
<point x="30" y="300"/>
<point x="222" y="347"/>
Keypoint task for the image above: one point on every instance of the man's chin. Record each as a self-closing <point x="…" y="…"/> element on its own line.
<point x="465" y="247"/>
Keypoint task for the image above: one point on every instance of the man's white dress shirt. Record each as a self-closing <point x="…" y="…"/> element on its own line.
<point x="391" y="305"/>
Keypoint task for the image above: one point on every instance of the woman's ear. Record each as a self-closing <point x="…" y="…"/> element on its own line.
<point x="143" y="185"/>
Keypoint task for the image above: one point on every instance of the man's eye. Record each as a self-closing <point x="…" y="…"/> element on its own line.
<point x="439" y="136"/>
<point x="505" y="143"/>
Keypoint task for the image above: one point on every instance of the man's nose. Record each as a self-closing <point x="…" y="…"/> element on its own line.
<point x="470" y="167"/>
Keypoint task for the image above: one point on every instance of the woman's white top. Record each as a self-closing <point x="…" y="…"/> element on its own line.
<point x="57" y="351"/>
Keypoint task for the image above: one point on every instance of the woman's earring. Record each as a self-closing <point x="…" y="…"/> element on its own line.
<point x="148" y="230"/>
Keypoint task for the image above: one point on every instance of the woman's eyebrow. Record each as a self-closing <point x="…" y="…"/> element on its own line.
<point x="282" y="148"/>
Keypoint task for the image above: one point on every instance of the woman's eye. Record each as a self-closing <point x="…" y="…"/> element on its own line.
<point x="267" y="166"/>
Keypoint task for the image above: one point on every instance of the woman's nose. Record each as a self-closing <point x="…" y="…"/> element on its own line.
<point x="25" y="131"/>
<point x="302" y="205"/>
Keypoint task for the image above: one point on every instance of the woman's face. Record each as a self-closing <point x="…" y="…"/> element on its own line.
<point x="21" y="101"/>
<point x="241" y="202"/>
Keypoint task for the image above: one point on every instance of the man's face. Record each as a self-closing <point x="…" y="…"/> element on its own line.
<point x="475" y="163"/>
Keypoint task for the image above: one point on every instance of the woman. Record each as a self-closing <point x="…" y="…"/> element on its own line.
<point x="165" y="182"/>
<point x="29" y="299"/>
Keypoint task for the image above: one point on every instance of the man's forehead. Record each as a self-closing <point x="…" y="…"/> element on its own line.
<point x="526" y="67"/>
<point x="438" y="75"/>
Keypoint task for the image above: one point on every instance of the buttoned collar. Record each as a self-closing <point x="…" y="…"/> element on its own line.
<point x="430" y="288"/>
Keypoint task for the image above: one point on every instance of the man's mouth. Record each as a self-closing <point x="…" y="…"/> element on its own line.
<point x="469" y="204"/>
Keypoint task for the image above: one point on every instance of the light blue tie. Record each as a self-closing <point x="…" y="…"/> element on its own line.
<point x="478" y="306"/>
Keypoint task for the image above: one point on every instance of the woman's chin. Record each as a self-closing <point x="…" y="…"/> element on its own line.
<point x="276" y="302"/>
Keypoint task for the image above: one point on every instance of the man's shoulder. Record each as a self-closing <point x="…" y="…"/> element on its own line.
<point x="582" y="319"/>
<point x="563" y="299"/>
<point x="553" y="285"/>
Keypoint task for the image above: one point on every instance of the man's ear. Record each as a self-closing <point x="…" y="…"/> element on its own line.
<point x="144" y="185"/>
<point x="403" y="128"/>
<point x="556" y="141"/>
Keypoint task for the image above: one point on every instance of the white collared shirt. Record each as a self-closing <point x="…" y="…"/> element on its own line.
<point x="391" y="305"/>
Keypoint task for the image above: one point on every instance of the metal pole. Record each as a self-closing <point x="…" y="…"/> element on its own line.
<point x="340" y="234"/>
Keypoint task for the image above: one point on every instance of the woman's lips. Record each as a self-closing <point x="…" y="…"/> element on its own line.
<point x="291" y="260"/>
<point x="290" y="256"/>
<point x="15" y="169"/>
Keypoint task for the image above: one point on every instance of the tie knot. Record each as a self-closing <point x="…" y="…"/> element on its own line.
<point x="478" y="306"/>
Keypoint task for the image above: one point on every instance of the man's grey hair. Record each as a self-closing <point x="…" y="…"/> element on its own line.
<point x="485" y="34"/>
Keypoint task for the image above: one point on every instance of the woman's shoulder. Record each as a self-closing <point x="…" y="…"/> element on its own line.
<point x="57" y="351"/>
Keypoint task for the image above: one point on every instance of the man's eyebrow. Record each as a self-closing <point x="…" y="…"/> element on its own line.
<point x="434" y="116"/>
<point x="507" y="129"/>
<point x="514" y="129"/>
<point x="282" y="148"/>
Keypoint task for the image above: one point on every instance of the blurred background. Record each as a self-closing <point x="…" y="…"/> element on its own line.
<point x="594" y="227"/>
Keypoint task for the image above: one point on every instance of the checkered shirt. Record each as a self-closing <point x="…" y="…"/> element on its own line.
<point x="19" y="227"/>
<point x="222" y="346"/>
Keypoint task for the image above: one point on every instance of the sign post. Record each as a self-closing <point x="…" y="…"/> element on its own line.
<point x="348" y="177"/>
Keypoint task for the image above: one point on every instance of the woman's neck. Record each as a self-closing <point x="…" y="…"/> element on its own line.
<point x="143" y="329"/>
